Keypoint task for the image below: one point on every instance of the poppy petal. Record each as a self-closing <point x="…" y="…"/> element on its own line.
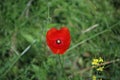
<point x="58" y="40"/>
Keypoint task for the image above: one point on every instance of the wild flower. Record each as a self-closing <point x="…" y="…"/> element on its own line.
<point x="58" y="40"/>
<point x="100" y="68"/>
<point x="97" y="65"/>
<point x="93" y="77"/>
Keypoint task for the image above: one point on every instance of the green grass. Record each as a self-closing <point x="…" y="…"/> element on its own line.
<point x="23" y="51"/>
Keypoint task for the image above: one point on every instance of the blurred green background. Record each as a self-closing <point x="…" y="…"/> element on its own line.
<point x="95" y="32"/>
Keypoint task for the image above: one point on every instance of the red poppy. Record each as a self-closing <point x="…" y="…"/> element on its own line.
<point x="58" y="40"/>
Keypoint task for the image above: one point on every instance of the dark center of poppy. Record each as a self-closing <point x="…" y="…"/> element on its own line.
<point x="58" y="41"/>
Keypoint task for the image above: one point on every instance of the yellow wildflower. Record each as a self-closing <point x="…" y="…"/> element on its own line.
<point x="100" y="59"/>
<point x="93" y="77"/>
<point x="100" y="68"/>
<point x="95" y="62"/>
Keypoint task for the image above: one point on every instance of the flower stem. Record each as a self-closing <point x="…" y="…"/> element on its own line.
<point x="61" y="63"/>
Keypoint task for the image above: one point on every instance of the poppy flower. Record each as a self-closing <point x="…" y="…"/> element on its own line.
<point x="58" y="40"/>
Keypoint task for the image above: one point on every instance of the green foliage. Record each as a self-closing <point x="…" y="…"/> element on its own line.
<point x="23" y="49"/>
